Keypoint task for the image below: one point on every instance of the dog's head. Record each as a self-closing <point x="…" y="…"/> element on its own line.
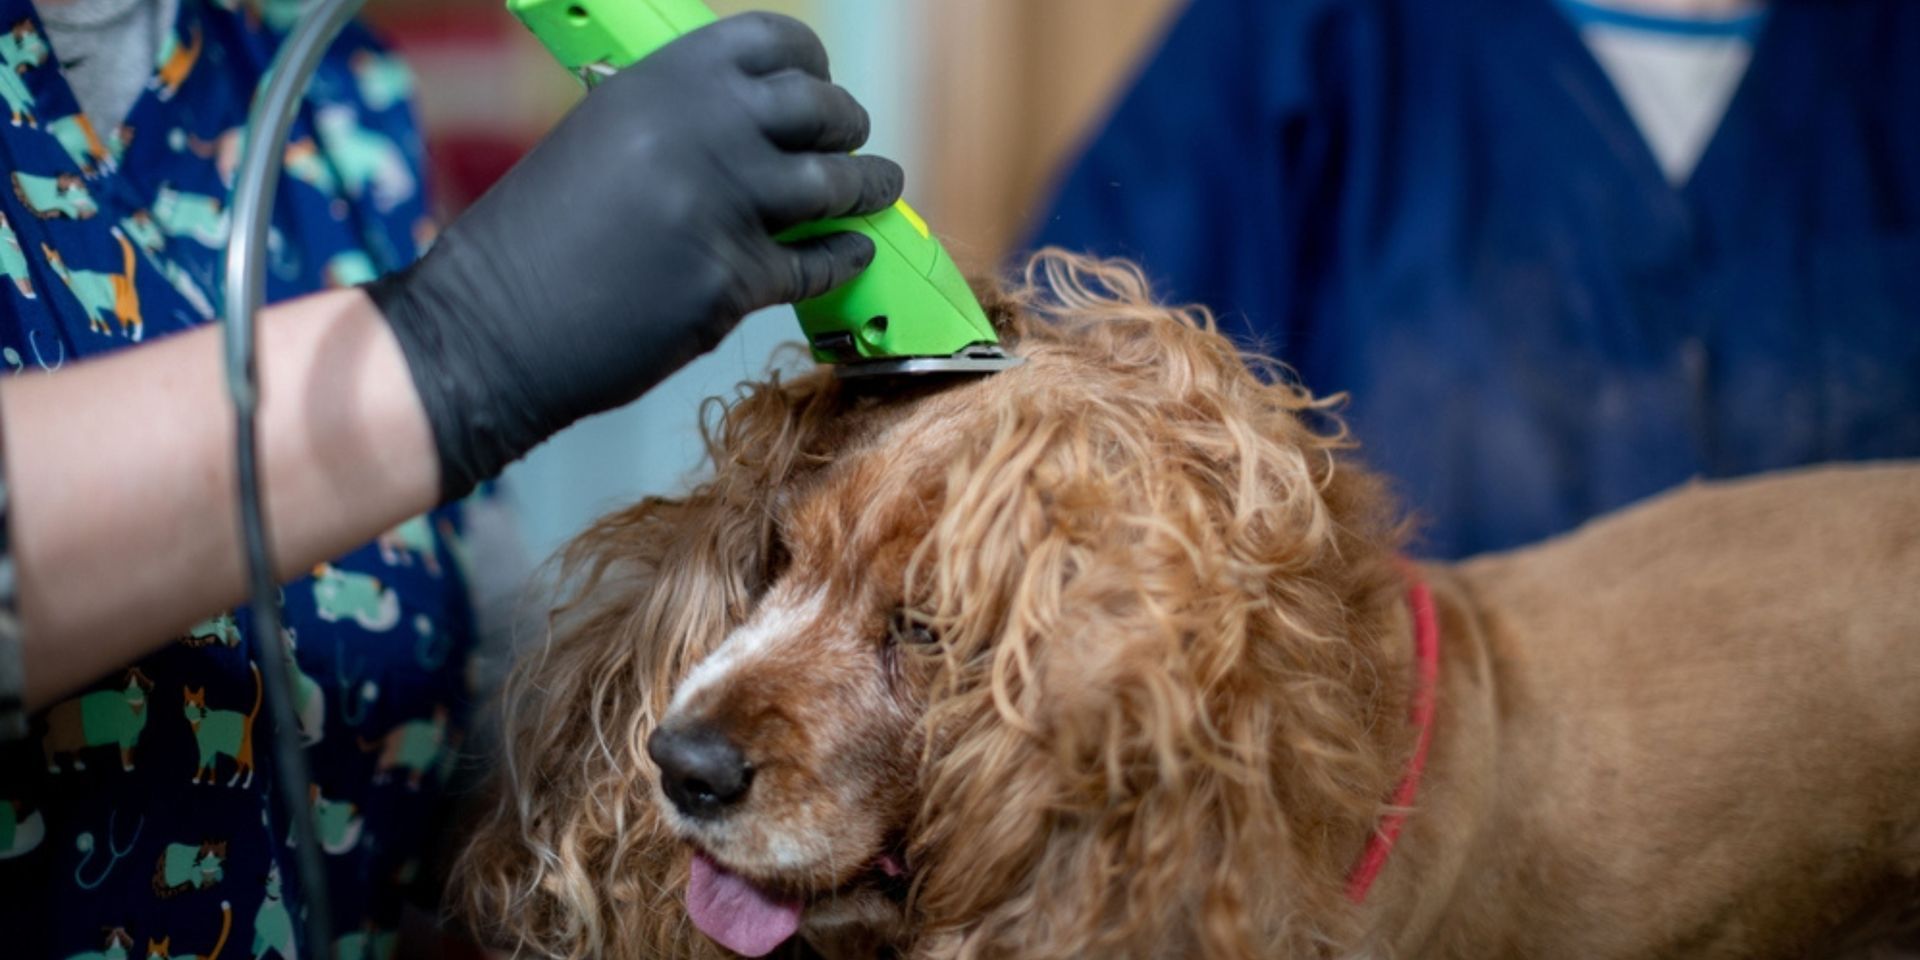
<point x="1081" y="657"/>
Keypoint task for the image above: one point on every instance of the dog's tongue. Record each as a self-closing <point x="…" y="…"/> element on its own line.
<point x="735" y="913"/>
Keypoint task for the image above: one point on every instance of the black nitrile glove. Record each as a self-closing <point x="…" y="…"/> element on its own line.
<point x="633" y="238"/>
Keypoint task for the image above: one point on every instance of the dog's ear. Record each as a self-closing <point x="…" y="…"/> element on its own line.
<point x="1153" y="582"/>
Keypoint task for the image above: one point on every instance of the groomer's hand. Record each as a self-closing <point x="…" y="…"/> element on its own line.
<point x="633" y="238"/>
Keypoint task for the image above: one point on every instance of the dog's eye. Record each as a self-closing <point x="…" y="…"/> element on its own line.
<point x="903" y="628"/>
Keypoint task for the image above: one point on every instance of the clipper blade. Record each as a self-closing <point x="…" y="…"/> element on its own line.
<point x="979" y="358"/>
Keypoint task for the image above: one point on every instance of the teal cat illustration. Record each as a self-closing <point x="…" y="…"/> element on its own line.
<point x="223" y="733"/>
<point x="21" y="49"/>
<point x="83" y="146"/>
<point x="366" y="161"/>
<point x="55" y="197"/>
<point x="345" y="595"/>
<point x="162" y="949"/>
<point x="309" y="701"/>
<point x="336" y="824"/>
<point x="146" y="235"/>
<point x="220" y="629"/>
<point x="369" y="943"/>
<point x="197" y="217"/>
<point x="189" y="866"/>
<point x="384" y="81"/>
<point x="99" y="719"/>
<point x="116" y="947"/>
<point x="413" y="538"/>
<point x="272" y="924"/>
<point x="106" y="296"/>
<point x="348" y="268"/>
<point x="413" y="746"/>
<point x="13" y="260"/>
<point x="21" y="830"/>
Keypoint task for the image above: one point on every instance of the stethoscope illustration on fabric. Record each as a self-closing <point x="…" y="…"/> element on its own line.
<point x="115" y="852"/>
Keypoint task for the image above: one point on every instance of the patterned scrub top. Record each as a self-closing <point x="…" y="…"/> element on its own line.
<point x="139" y="817"/>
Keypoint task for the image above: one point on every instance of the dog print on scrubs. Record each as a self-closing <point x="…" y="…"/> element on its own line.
<point x="106" y="296"/>
<point x="116" y="947"/>
<point x="349" y="268"/>
<point x="366" y="160"/>
<point x="384" y="81"/>
<point x="219" y="733"/>
<point x="84" y="147"/>
<point x="219" y="629"/>
<point x="103" y="718"/>
<point x="162" y="949"/>
<point x="272" y="924"/>
<point x="21" y="49"/>
<point x="345" y="595"/>
<point x="413" y="746"/>
<point x="61" y="196"/>
<point x="194" y="216"/>
<point x="414" y="538"/>
<point x="13" y="260"/>
<point x="189" y="866"/>
<point x="175" y="62"/>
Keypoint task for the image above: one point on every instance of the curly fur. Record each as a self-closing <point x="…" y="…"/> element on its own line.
<point x="1154" y="722"/>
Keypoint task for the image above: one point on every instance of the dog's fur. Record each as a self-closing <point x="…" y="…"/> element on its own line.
<point x="1166" y="692"/>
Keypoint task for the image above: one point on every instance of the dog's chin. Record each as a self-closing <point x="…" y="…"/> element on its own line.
<point x="754" y="914"/>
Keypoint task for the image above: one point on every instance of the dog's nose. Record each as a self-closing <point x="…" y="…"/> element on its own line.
<point x="701" y="771"/>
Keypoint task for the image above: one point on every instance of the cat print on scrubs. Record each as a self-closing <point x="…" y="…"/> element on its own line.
<point x="309" y="701"/>
<point x="384" y="81"/>
<point x="414" y="747"/>
<point x="272" y="924"/>
<point x="105" y="296"/>
<point x="189" y="866"/>
<point x="21" y="830"/>
<point x="175" y="62"/>
<point x="82" y="145"/>
<point x="146" y="235"/>
<point x="336" y="824"/>
<point x="21" y="49"/>
<point x="13" y="260"/>
<point x="222" y="733"/>
<point x="162" y="949"/>
<point x="61" y="196"/>
<point x="368" y="943"/>
<point x="99" y="719"/>
<point x="344" y="595"/>
<point x="414" y="538"/>
<point x="115" y="948"/>
<point x="350" y="268"/>
<point x="195" y="216"/>
<point x="366" y="160"/>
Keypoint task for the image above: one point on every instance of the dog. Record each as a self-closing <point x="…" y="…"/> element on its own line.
<point x="1115" y="654"/>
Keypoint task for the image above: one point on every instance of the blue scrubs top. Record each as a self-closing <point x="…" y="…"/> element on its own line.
<point x="1446" y="210"/>
<point x="140" y="817"/>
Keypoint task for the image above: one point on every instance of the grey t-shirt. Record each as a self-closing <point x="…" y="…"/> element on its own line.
<point x="107" y="50"/>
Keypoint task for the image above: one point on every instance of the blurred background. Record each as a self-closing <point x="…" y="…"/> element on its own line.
<point x="980" y="120"/>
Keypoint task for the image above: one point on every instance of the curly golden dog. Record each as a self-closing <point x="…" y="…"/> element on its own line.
<point x="1113" y="655"/>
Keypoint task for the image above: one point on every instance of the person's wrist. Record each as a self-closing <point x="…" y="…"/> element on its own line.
<point x="479" y="421"/>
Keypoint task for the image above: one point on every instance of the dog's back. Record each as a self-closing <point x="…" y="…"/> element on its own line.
<point x="1705" y="724"/>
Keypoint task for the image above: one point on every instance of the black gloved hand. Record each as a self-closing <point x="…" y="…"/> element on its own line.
<point x="633" y="238"/>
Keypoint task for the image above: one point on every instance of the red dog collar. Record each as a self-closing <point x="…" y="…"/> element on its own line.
<point x="1426" y="648"/>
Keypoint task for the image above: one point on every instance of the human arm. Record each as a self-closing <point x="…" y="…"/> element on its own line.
<point x="122" y="472"/>
<point x="628" y="242"/>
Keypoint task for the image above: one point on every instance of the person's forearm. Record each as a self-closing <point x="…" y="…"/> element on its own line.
<point x="124" y="519"/>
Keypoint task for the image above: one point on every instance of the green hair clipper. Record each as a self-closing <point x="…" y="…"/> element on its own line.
<point x="910" y="311"/>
